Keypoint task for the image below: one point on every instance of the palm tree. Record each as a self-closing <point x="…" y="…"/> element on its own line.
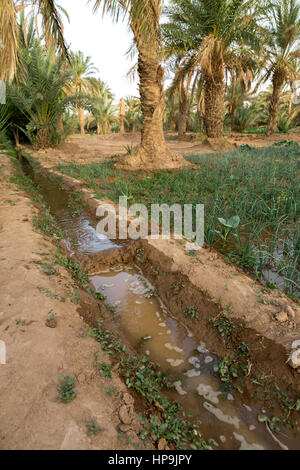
<point x="38" y="95"/>
<point x="104" y="113"/>
<point x="284" y="29"/>
<point x="82" y="69"/>
<point x="211" y="33"/>
<point x="9" y="31"/>
<point x="143" y="18"/>
<point x="133" y="114"/>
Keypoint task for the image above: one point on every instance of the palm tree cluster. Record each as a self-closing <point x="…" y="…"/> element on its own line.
<point x="220" y="53"/>
<point x="48" y="85"/>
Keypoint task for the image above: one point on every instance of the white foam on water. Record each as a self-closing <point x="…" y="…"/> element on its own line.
<point x="202" y="348"/>
<point x="208" y="359"/>
<point x="175" y="362"/>
<point x="173" y="348"/>
<point x="245" y="445"/>
<point x="194" y="361"/>
<point x="192" y="373"/>
<point x="179" y="389"/>
<point x="233" y="420"/>
<point x="208" y="393"/>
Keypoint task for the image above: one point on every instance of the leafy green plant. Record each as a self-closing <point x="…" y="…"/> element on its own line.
<point x="105" y="370"/>
<point x="92" y="428"/>
<point x="229" y="227"/>
<point x="67" y="389"/>
<point x="191" y="312"/>
<point x="52" y="319"/>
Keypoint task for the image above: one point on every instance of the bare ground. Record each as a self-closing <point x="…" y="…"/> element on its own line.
<point x="88" y="148"/>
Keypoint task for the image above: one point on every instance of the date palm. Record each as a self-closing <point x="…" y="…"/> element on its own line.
<point x="133" y="116"/>
<point x="211" y="33"/>
<point x="39" y="96"/>
<point x="9" y="31"/>
<point x="104" y="112"/>
<point x="143" y="17"/>
<point x="82" y="71"/>
<point x="284" y="29"/>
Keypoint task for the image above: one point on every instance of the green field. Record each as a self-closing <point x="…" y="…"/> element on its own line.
<point x="261" y="186"/>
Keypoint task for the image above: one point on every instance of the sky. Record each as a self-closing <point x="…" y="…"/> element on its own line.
<point x="105" y="41"/>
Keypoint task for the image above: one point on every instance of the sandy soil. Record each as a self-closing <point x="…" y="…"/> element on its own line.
<point x="84" y="149"/>
<point x="30" y="415"/>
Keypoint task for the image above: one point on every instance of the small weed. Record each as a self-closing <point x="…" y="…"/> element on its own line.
<point x="51" y="321"/>
<point x="177" y="286"/>
<point x="109" y="390"/>
<point x="104" y="368"/>
<point x="10" y="202"/>
<point x="20" y="322"/>
<point x="191" y="312"/>
<point x="140" y="252"/>
<point x="156" y="270"/>
<point x="150" y="293"/>
<point x="92" y="428"/>
<point x="225" y="327"/>
<point x="67" y="390"/>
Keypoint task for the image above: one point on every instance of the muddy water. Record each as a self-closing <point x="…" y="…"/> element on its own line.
<point x="189" y="365"/>
<point x="145" y="321"/>
<point x="80" y="236"/>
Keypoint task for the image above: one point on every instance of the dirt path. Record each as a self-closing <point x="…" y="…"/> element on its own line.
<point x="30" y="415"/>
<point x="88" y="148"/>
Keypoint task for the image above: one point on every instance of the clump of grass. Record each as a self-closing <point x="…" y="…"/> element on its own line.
<point x="92" y="428"/>
<point x="67" y="389"/>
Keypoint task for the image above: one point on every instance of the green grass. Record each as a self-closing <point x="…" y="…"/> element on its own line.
<point x="261" y="186"/>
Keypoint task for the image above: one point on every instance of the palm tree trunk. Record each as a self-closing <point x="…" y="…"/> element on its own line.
<point x="122" y="128"/>
<point x="182" y="114"/>
<point x="81" y="120"/>
<point x="233" y="102"/>
<point x="214" y="105"/>
<point x="42" y="139"/>
<point x="153" y="152"/>
<point x="277" y="80"/>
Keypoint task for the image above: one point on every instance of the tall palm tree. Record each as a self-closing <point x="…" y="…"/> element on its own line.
<point x="212" y="32"/>
<point x="9" y="31"/>
<point x="284" y="29"/>
<point x="104" y="113"/>
<point x="82" y="70"/>
<point x="101" y="103"/>
<point x="143" y="18"/>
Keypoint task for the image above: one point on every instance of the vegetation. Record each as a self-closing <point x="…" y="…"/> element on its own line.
<point x="218" y="52"/>
<point x="67" y="389"/>
<point x="251" y="203"/>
